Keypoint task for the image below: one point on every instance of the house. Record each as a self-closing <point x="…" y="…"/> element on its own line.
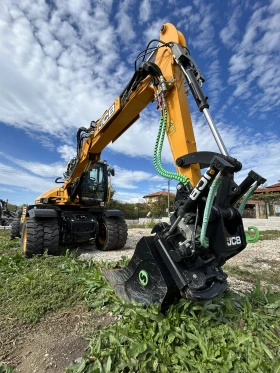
<point x="262" y="208"/>
<point x="153" y="197"/>
<point x="272" y="205"/>
<point x="275" y="188"/>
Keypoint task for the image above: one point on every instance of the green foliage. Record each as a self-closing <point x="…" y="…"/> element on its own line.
<point x="230" y="334"/>
<point x="130" y="210"/>
<point x="140" y="210"/>
<point x="7" y="246"/>
<point x="151" y="224"/>
<point x="30" y="288"/>
<point x="158" y="208"/>
<point x="6" y="368"/>
<point x="266" y="196"/>
<point x="269" y="235"/>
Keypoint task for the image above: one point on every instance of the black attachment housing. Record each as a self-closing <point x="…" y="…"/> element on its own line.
<point x="204" y="159"/>
<point x="247" y="183"/>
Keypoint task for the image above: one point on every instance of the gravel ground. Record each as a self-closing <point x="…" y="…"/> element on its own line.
<point x="260" y="257"/>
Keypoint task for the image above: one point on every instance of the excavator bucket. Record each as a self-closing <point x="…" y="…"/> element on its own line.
<point x="152" y="276"/>
<point x="146" y="279"/>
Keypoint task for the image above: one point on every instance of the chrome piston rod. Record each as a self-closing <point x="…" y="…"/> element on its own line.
<point x="209" y="119"/>
<point x="215" y="132"/>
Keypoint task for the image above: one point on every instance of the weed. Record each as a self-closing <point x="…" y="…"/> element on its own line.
<point x="232" y="333"/>
<point x="31" y="288"/>
<point x="269" y="235"/>
<point x="271" y="276"/>
<point x="6" y="368"/>
<point x="151" y="224"/>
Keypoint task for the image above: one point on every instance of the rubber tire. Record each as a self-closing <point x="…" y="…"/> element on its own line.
<point x="122" y="229"/>
<point x="15" y="228"/>
<point x="112" y="234"/>
<point x="33" y="233"/>
<point x="51" y="236"/>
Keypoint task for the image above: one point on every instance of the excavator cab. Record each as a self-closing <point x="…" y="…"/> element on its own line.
<point x="94" y="189"/>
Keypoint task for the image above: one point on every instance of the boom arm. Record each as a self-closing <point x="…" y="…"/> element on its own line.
<point x="162" y="81"/>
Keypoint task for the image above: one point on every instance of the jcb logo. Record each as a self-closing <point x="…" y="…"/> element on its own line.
<point x="233" y="241"/>
<point x="107" y="116"/>
<point x="201" y="185"/>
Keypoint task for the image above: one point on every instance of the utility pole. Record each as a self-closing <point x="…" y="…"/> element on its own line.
<point x="168" y="198"/>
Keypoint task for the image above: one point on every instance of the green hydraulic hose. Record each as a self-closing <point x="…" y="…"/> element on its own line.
<point x="246" y="197"/>
<point x="209" y="203"/>
<point x="158" y="150"/>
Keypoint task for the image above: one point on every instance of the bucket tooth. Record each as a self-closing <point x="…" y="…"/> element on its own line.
<point x="145" y="279"/>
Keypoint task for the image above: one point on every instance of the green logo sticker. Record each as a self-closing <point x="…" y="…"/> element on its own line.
<point x="143" y="277"/>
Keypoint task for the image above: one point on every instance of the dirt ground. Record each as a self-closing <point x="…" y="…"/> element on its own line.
<point x="51" y="345"/>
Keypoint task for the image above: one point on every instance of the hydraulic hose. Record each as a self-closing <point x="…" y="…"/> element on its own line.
<point x="158" y="151"/>
<point x="246" y="197"/>
<point x="209" y="203"/>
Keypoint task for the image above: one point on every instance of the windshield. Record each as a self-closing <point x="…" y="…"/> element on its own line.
<point x="93" y="187"/>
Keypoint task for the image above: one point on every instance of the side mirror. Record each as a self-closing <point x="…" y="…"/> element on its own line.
<point x="111" y="171"/>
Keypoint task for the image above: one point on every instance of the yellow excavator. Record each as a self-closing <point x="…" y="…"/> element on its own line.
<point x="185" y="257"/>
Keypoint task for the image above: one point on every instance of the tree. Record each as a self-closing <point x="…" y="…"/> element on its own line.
<point x="158" y="208"/>
<point x="266" y="196"/>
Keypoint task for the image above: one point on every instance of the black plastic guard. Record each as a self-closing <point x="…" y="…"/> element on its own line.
<point x="146" y="279"/>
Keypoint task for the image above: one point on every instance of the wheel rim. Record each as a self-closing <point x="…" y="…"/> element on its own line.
<point x="102" y="235"/>
<point x="24" y="240"/>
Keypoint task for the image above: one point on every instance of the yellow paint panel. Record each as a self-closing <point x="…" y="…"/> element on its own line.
<point x="170" y="127"/>
<point x="109" y="115"/>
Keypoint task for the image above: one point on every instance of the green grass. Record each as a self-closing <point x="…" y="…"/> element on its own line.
<point x="231" y="334"/>
<point x="150" y="225"/>
<point x="269" y="235"/>
<point x="5" y="368"/>
<point x="252" y="274"/>
<point x="29" y="289"/>
<point x="7" y="246"/>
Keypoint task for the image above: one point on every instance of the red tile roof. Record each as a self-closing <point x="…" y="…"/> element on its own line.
<point x="156" y="194"/>
<point x="271" y="188"/>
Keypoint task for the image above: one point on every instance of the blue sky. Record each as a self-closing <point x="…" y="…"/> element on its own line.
<point x="62" y="64"/>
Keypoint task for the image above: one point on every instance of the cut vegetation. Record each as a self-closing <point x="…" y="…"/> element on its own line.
<point x="48" y="304"/>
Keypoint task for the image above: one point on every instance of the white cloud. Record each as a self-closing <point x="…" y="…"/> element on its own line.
<point x="127" y="179"/>
<point x="125" y="28"/>
<point x="67" y="152"/>
<point x="44" y="170"/>
<point x="7" y="190"/>
<point x="153" y="28"/>
<point x="145" y="11"/>
<point x="245" y="145"/>
<point x="54" y="65"/>
<point x="254" y="67"/>
<point x="129" y="197"/>
<point x="201" y="23"/>
<point x="62" y="66"/>
<point x="16" y="177"/>
<point x="157" y="178"/>
<point x="139" y="140"/>
<point x="229" y="33"/>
